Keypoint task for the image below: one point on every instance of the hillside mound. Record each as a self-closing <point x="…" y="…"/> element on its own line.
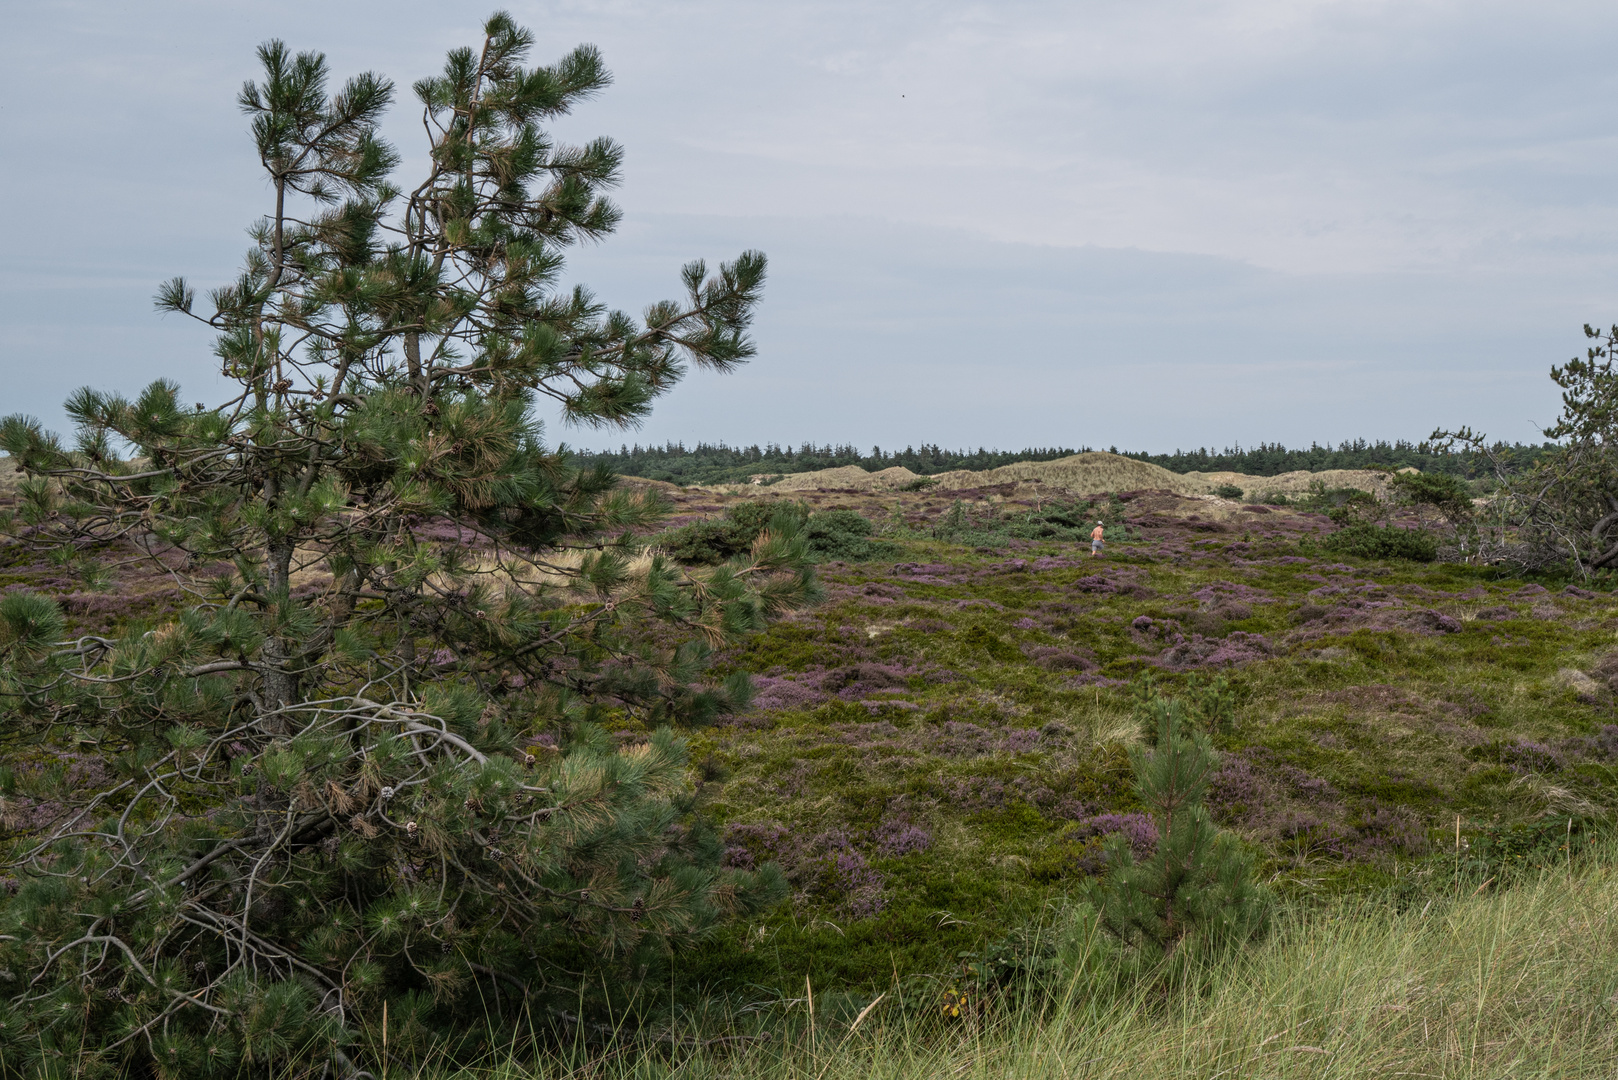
<point x="849" y="477"/>
<point x="1082" y="474"/>
<point x="1296" y="483"/>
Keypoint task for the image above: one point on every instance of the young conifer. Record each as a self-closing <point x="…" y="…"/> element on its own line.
<point x="1197" y="887"/>
<point x="366" y="768"/>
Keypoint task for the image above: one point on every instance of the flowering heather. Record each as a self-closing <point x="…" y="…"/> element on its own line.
<point x="929" y="626"/>
<point x="897" y="837"/>
<point x="926" y="573"/>
<point x="835" y="870"/>
<point x="955" y="738"/>
<point x="1052" y="658"/>
<point x="778" y="693"/>
<point x="749" y="846"/>
<point x="1235" y="791"/>
<point x="1139" y="829"/>
<point x="1240" y="647"/>
<point x="1232" y="592"/>
<point x="1105" y="585"/>
<point x="1094" y="680"/>
<point x="970" y="681"/>
<point x="861" y="680"/>
<point x="1527" y="756"/>
<point x="1603" y="744"/>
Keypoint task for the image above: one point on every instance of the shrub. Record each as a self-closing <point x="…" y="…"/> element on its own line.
<point x="1228" y="491"/>
<point x="846" y="535"/>
<point x="708" y="543"/>
<point x="1449" y="495"/>
<point x="1383" y="542"/>
<point x="830" y="534"/>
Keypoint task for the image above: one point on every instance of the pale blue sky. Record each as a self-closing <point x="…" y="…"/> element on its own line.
<point x="1020" y="223"/>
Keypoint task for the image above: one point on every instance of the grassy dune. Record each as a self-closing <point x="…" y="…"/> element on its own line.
<point x="1082" y="474"/>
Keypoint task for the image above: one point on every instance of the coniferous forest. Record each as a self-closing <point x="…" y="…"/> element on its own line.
<point x="721" y="464"/>
<point x="352" y="729"/>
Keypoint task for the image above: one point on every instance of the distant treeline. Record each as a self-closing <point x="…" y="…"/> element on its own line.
<point x="1272" y="459"/>
<point x="717" y="463"/>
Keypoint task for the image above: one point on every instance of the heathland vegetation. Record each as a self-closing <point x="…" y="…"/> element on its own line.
<point x="352" y="730"/>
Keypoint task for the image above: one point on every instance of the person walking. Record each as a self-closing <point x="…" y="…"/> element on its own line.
<point x="1096" y="542"/>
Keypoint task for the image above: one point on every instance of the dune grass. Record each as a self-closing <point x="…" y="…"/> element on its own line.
<point x="1520" y="982"/>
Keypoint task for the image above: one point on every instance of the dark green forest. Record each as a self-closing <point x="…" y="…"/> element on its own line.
<point x="719" y="463"/>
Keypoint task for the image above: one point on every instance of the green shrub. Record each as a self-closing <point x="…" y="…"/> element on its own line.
<point x="1228" y="491"/>
<point x="846" y="535"/>
<point x="1449" y="495"/>
<point x="831" y="534"/>
<point x="721" y="539"/>
<point x="1383" y="542"/>
<point x="1071" y="522"/>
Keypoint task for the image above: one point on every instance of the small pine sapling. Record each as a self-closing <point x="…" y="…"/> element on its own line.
<point x="1197" y="888"/>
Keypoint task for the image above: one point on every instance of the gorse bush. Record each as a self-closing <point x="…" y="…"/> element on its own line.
<point x="1228" y="491"/>
<point x="366" y="771"/>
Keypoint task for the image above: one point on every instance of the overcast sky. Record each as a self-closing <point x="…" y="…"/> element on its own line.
<point x="1134" y="223"/>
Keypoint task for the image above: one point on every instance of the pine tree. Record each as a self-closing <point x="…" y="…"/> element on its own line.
<point x="367" y="767"/>
<point x="1197" y="887"/>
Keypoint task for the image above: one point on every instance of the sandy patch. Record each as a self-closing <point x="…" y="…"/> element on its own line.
<point x="1079" y="474"/>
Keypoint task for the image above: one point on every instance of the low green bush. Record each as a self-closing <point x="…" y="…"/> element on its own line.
<point x="1450" y="495"/>
<point x="1228" y="491"/>
<point x="720" y="539"/>
<point x="1061" y="521"/>
<point x="832" y="534"/>
<point x="846" y="535"/>
<point x="1383" y="542"/>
